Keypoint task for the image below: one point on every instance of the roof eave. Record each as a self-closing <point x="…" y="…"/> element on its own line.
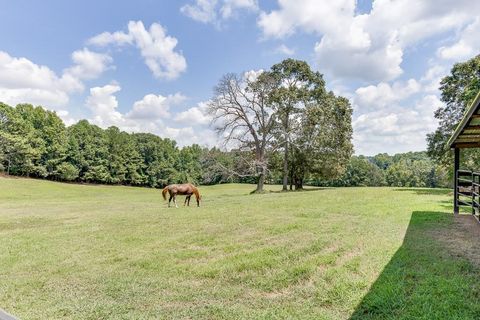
<point x="466" y="118"/>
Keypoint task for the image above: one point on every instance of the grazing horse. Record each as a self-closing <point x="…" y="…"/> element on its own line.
<point x="181" y="189"/>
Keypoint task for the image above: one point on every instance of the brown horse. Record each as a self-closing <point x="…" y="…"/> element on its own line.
<point x="181" y="189"/>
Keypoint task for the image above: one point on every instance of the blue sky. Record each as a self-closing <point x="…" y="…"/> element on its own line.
<point x="152" y="65"/>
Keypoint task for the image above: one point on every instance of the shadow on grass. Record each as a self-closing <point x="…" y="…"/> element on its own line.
<point x="425" y="279"/>
<point x="427" y="191"/>
<point x="306" y="189"/>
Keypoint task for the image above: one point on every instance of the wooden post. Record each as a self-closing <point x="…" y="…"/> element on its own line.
<point x="456" y="166"/>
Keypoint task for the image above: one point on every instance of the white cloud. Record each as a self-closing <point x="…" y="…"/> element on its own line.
<point x="194" y="116"/>
<point x="156" y="47"/>
<point x="107" y="38"/>
<point x="23" y="81"/>
<point x="103" y="104"/>
<point x="384" y="94"/>
<point x="87" y="65"/>
<point x="154" y="106"/>
<point x="202" y="10"/>
<point x="150" y="114"/>
<point x="395" y="129"/>
<point x="214" y="11"/>
<point x="66" y="117"/>
<point x="370" y="46"/>
<point x="252" y="75"/>
<point x="466" y="46"/>
<point x="283" y="49"/>
<point x="433" y="76"/>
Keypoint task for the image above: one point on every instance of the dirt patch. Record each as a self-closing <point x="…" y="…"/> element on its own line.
<point x="460" y="238"/>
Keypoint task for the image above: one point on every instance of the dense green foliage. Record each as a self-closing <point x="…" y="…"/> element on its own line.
<point x="314" y="126"/>
<point x="36" y="143"/>
<point x="411" y="169"/>
<point x="458" y="91"/>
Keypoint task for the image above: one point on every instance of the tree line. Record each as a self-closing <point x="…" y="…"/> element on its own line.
<point x="35" y="142"/>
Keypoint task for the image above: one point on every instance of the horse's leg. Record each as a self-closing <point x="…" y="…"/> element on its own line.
<point x="175" y="200"/>
<point x="170" y="199"/>
<point x="188" y="197"/>
<point x="185" y="202"/>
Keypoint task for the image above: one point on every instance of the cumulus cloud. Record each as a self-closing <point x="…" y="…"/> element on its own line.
<point x="214" y="11"/>
<point x="194" y="116"/>
<point x="285" y="50"/>
<point x="87" y="65"/>
<point x="103" y="104"/>
<point x="23" y="81"/>
<point x="154" y="106"/>
<point x="151" y="114"/>
<point x="399" y="128"/>
<point x="466" y="45"/>
<point x="156" y="47"/>
<point x="370" y="46"/>
<point x="384" y="94"/>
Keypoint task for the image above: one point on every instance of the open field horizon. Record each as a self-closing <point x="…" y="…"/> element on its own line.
<point x="108" y="252"/>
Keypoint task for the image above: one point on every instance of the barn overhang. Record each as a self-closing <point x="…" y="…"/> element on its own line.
<point x="467" y="133"/>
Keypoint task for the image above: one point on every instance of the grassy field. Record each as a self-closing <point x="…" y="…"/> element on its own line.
<point x="103" y="252"/>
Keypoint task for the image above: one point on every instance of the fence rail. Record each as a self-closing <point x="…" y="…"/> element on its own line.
<point x="468" y="191"/>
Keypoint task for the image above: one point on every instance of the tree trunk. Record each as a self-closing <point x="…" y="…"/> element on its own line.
<point x="299" y="183"/>
<point x="285" y="167"/>
<point x="261" y="181"/>
<point x="285" y="156"/>
<point x="291" y="182"/>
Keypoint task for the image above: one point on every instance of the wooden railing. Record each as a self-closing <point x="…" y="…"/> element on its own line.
<point x="468" y="190"/>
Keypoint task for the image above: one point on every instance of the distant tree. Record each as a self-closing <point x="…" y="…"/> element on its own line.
<point x="189" y="164"/>
<point x="361" y="172"/>
<point x="322" y="146"/>
<point x="49" y="138"/>
<point x="217" y="166"/>
<point x="160" y="158"/>
<point x="18" y="151"/>
<point x="123" y="159"/>
<point x="382" y="160"/>
<point x="296" y="85"/>
<point x="243" y="117"/>
<point x="66" y="172"/>
<point x="88" y="152"/>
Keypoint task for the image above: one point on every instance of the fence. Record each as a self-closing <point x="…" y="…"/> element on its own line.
<point x="468" y="191"/>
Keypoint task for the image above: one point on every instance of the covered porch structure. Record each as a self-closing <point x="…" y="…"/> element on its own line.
<point x="466" y="182"/>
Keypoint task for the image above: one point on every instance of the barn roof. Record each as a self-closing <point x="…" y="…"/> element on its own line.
<point x="467" y="133"/>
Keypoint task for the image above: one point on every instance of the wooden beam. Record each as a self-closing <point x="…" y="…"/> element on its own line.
<point x="472" y="127"/>
<point x="464" y="145"/>
<point x="475" y="116"/>
<point x="456" y="166"/>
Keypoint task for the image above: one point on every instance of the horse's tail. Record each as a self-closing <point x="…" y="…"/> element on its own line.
<point x="164" y="193"/>
<point x="197" y="194"/>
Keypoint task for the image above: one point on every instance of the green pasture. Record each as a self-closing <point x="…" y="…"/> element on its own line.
<point x="72" y="251"/>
